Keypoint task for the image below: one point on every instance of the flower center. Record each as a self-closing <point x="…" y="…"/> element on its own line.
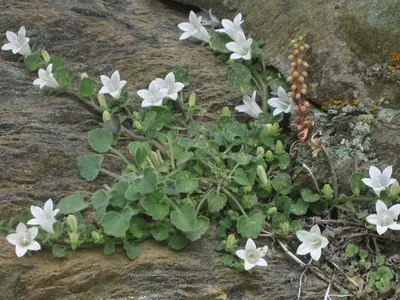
<point x="315" y="243"/>
<point x="25" y="241"/>
<point x="386" y="220"/>
<point x="252" y="257"/>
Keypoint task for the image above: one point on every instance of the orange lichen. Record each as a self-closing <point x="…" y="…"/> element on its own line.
<point x="335" y="103"/>
<point x="395" y="56"/>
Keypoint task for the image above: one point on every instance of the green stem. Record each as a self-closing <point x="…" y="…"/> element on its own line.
<point x="233" y="198"/>
<point x="111" y="174"/>
<point x="262" y="87"/>
<point x="171" y="154"/>
<point x="201" y="203"/>
<point x="120" y="155"/>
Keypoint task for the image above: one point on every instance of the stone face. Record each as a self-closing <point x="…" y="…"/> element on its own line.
<point x="351" y="42"/>
<point x="41" y="137"/>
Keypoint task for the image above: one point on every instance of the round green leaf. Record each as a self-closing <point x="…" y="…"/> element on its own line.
<point x="72" y="204"/>
<point x="100" y="199"/>
<point x="109" y="247"/>
<point x="63" y="77"/>
<point x="58" y="251"/>
<point x="309" y="196"/>
<point x="87" y="87"/>
<point x="100" y="140"/>
<point x="216" y="201"/>
<point x="32" y="61"/>
<point x="185" y="183"/>
<point x="114" y="224"/>
<point x="161" y="232"/>
<point x="282" y="183"/>
<point x="177" y="241"/>
<point x="185" y="218"/>
<point x="90" y="166"/>
<point x="251" y="226"/>
<point x="299" y="208"/>
<point x="239" y="79"/>
<point x="201" y="226"/>
<point x="155" y="206"/>
<point x="132" y="251"/>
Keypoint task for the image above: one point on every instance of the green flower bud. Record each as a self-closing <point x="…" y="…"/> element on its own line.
<point x="45" y="55"/>
<point x="272" y="210"/>
<point x="192" y="99"/>
<point x="269" y="155"/>
<point x="327" y="192"/>
<point x="275" y="128"/>
<point x="73" y="237"/>
<point x="102" y="100"/>
<point x="84" y="75"/>
<point x="136" y="116"/>
<point x="394" y="189"/>
<point x="226" y="112"/>
<point x="230" y="243"/>
<point x="106" y="116"/>
<point x="154" y="159"/>
<point x="279" y="148"/>
<point x="262" y="176"/>
<point x="267" y="130"/>
<point x="72" y="223"/>
<point x="260" y="151"/>
<point x="247" y="189"/>
<point x="285" y="227"/>
<point x="137" y="125"/>
<point x="97" y="237"/>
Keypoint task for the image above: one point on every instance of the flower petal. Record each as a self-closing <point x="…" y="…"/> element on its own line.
<point x="387" y="173"/>
<point x="302" y="235"/>
<point x="250" y="245"/>
<point x="368" y="181"/>
<point x="394" y="226"/>
<point x="381" y="207"/>
<point x="241" y="254"/>
<point x="316" y="254"/>
<point x="20" y="251"/>
<point x="282" y="93"/>
<point x="372" y="219"/>
<point x="303" y="249"/>
<point x="274" y="102"/>
<point x="48" y="206"/>
<point x="34" y="246"/>
<point x="315" y="229"/>
<point x="381" y="229"/>
<point x="33" y="222"/>
<point x="12" y="239"/>
<point x="395" y="210"/>
<point x="248" y="266"/>
<point x="33" y="231"/>
<point x="262" y="262"/>
<point x="374" y="172"/>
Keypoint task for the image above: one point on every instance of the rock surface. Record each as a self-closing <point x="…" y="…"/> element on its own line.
<point x="41" y="137"/>
<point x="351" y="42"/>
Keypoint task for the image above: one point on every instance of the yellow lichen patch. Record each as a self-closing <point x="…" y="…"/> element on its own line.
<point x="395" y="56"/>
<point x="338" y="103"/>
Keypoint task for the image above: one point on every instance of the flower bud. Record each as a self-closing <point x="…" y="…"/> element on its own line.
<point x="301" y="79"/>
<point x="154" y="159"/>
<point x="327" y="192"/>
<point x="295" y="52"/>
<point x="226" y="112"/>
<point x="275" y="127"/>
<point x="394" y="189"/>
<point x="294" y="41"/>
<point x="293" y="64"/>
<point x="136" y="116"/>
<point x="291" y="56"/>
<point x="289" y="79"/>
<point x="293" y="87"/>
<point x="102" y="100"/>
<point x="97" y="237"/>
<point x="247" y="189"/>
<point x="262" y="176"/>
<point x="302" y="48"/>
<point x="304" y="74"/>
<point x="279" y="148"/>
<point x="72" y="223"/>
<point x="299" y="61"/>
<point x="84" y="75"/>
<point x="307" y="46"/>
<point x="306" y="65"/>
<point x="295" y="45"/>
<point x="303" y="91"/>
<point x="73" y="237"/>
<point x="192" y="99"/>
<point x="298" y="96"/>
<point x="304" y="86"/>
<point x="45" y="55"/>
<point x="306" y="104"/>
<point x="106" y="116"/>
<point x="295" y="74"/>
<point x="137" y="125"/>
<point x="230" y="243"/>
<point x="300" y="38"/>
<point x="260" y="151"/>
<point x="269" y="155"/>
<point x="290" y="94"/>
<point x="272" y="210"/>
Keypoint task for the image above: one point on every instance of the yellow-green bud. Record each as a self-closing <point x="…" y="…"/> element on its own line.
<point x="260" y="151"/>
<point x="137" y="125"/>
<point x="272" y="210"/>
<point x="106" y="116"/>
<point x="46" y="56"/>
<point x="269" y="155"/>
<point x="84" y="75"/>
<point x="247" y="189"/>
<point x="192" y="99"/>
<point x="230" y="242"/>
<point x="136" y="116"/>
<point x="279" y="148"/>
<point x="285" y="227"/>
<point x="72" y="223"/>
<point x="160" y="157"/>
<point x="327" y="192"/>
<point x="394" y="189"/>
<point x="226" y="112"/>
<point x="154" y="159"/>
<point x="275" y="128"/>
<point x="73" y="237"/>
<point x="267" y="130"/>
<point x="262" y="176"/>
<point x="97" y="237"/>
<point x="102" y="100"/>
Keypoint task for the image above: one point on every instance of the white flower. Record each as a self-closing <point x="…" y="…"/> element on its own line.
<point x="313" y="242"/>
<point x="379" y="181"/>
<point x="153" y="96"/>
<point x="194" y="28"/>
<point x="281" y="104"/>
<point x="17" y="43"/>
<point x="46" y="78"/>
<point x="385" y="218"/>
<point x="250" y="106"/>
<point x="45" y="217"/>
<point x="24" y="239"/>
<point x="232" y="28"/>
<point x="252" y="255"/>
<point x="241" y="47"/>
<point x="112" y="86"/>
<point x="172" y="88"/>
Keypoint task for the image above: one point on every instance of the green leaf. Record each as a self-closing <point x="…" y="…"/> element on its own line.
<point x="356" y="183"/>
<point x="182" y="75"/>
<point x="281" y="222"/>
<point x="284" y="160"/>
<point x="185" y="183"/>
<point x="202" y="225"/>
<point x="177" y="241"/>
<point x="245" y="177"/>
<point x="58" y="63"/>
<point x="228" y="260"/>
<point x="351" y="249"/>
<point x="185" y="218"/>
<point x="283" y="203"/>
<point x="109" y="247"/>
<point x="117" y="194"/>
<point x="147" y="184"/>
<point x="251" y="226"/>
<point x="87" y="88"/>
<point x="32" y="61"/>
<point x="138" y="228"/>
<point x="248" y="201"/>
<point x="218" y="42"/>
<point x="90" y="166"/>
<point x="282" y="183"/>
<point x="241" y="158"/>
<point x="114" y="224"/>
<point x="363" y="254"/>
<point x="256" y="48"/>
<point x="295" y="226"/>
<point x="299" y="208"/>
<point x="239" y="79"/>
<point x="216" y="201"/>
<point x="132" y="251"/>
<point x="309" y="196"/>
<point x="58" y="251"/>
<point x="100" y="140"/>
<point x="161" y="231"/>
<point x="155" y="206"/>
<point x="140" y="151"/>
<point x="63" y="77"/>
<point x="100" y="199"/>
<point x="72" y="204"/>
